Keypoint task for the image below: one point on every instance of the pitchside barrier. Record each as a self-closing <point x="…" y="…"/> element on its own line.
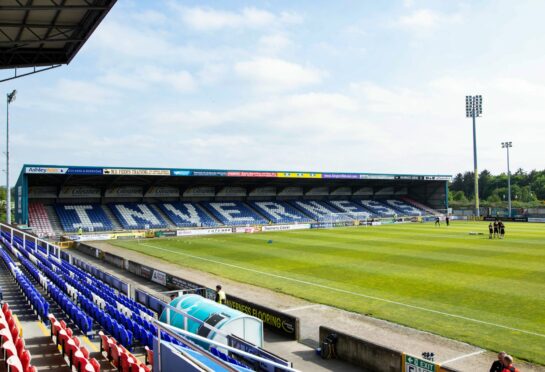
<point x="375" y="357"/>
<point x="274" y="320"/>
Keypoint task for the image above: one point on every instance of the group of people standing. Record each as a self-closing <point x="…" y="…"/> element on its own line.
<point x="496" y="229"/>
<point x="503" y="364"/>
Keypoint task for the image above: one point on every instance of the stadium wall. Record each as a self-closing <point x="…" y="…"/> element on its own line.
<point x="366" y="354"/>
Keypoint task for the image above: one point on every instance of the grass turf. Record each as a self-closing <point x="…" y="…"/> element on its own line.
<point x="442" y="269"/>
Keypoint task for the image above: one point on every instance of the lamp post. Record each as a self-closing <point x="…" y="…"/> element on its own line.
<point x="10" y="99"/>
<point x="507" y="145"/>
<point x="474" y="109"/>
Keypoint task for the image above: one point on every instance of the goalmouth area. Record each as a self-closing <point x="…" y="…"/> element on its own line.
<point x="445" y="280"/>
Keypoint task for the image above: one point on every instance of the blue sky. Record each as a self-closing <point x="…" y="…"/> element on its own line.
<point x="313" y="85"/>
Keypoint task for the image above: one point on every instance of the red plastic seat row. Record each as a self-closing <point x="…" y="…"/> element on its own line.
<point x="15" y="354"/>
<point x="78" y="355"/>
<point x="119" y="356"/>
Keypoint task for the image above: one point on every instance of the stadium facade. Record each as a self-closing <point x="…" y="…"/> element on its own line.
<point x="67" y="198"/>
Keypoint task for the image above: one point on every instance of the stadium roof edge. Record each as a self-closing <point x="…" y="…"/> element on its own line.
<point x="140" y="171"/>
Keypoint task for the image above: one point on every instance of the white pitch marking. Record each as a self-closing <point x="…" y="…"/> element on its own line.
<point x="351" y="293"/>
<point x="462" y="357"/>
<point x="300" y="308"/>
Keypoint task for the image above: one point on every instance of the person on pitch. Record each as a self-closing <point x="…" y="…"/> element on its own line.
<point x="490" y="230"/>
<point x="497" y="366"/>
<point x="496" y="229"/>
<point x="437" y="221"/>
<point x="502" y="230"/>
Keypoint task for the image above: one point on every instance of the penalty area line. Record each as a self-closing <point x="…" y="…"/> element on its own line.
<point x="357" y="294"/>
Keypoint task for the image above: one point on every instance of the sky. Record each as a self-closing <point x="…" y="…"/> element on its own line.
<point x="362" y="86"/>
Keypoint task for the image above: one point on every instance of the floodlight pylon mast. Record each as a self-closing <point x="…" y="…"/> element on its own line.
<point x="10" y="97"/>
<point x="474" y="110"/>
<point x="507" y="145"/>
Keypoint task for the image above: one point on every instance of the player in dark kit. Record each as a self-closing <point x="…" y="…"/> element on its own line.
<point x="447" y="220"/>
<point x="502" y="229"/>
<point x="490" y="230"/>
<point x="496" y="229"/>
<point x="437" y="221"/>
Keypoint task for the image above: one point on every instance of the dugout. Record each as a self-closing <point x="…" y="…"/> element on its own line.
<point x="201" y="312"/>
<point x="50" y="184"/>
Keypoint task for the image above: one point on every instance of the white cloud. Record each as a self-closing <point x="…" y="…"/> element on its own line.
<point x="273" y="43"/>
<point x="210" y="19"/>
<point x="273" y="74"/>
<point x="425" y="19"/>
<point x="83" y="92"/>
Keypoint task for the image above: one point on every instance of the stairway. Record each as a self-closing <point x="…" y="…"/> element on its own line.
<point x="111" y="217"/>
<point x="54" y="220"/>
<point x="12" y="294"/>
<point x="421" y="206"/>
<point x="160" y="212"/>
<point x="207" y="212"/>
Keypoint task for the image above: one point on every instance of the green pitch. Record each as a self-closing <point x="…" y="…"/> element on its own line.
<point x="490" y="293"/>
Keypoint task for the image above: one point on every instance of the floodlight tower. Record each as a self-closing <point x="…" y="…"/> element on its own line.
<point x="474" y="109"/>
<point x="10" y="98"/>
<point x="507" y="145"/>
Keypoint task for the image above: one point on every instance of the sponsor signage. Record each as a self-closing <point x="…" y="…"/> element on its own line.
<point x="298" y="175"/>
<point x="200" y="191"/>
<point x="414" y="364"/>
<point x="35" y="192"/>
<point x="193" y="232"/>
<point x="511" y="219"/>
<point x="174" y="282"/>
<point x="162" y="191"/>
<point x="209" y="173"/>
<point x="252" y="174"/>
<point x="246" y="229"/>
<point x="536" y="219"/>
<point x="302" y="226"/>
<point x="45" y="170"/>
<point x="124" y="191"/>
<point x="90" y="237"/>
<point x="136" y="172"/>
<point x="180" y="172"/>
<point x="85" y="171"/>
<point x="346" y="176"/>
<point x="79" y="192"/>
<point x="376" y="177"/>
<point x="159" y="277"/>
<point x="276" y="321"/>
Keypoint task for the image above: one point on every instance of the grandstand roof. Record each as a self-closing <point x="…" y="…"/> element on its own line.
<point x="46" y="32"/>
<point x="105" y="176"/>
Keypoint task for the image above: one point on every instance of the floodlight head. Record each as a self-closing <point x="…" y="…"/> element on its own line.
<point x="474" y="106"/>
<point x="11" y="96"/>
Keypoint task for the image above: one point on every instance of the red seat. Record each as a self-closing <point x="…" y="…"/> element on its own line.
<point x="127" y="361"/>
<point x="14" y="333"/>
<point x="25" y="360"/>
<point x="69" y="332"/>
<point x="20" y="346"/>
<point x="76" y="341"/>
<point x="104" y="344"/>
<point x="95" y="364"/>
<point x="63" y="324"/>
<point x="31" y="369"/>
<point x="5" y="307"/>
<point x="149" y="355"/>
<point x="85" y="352"/>
<point x="114" y="352"/>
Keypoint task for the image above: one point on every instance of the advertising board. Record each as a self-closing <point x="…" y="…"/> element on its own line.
<point x="301" y="226"/>
<point x="252" y="174"/>
<point x="511" y="219"/>
<point x="276" y="321"/>
<point x="211" y="231"/>
<point x="298" y="175"/>
<point x="136" y="172"/>
<point x="79" y="192"/>
<point x="159" y="277"/>
<point x="45" y="170"/>
<point x="162" y="191"/>
<point x="124" y="191"/>
<point x="246" y="229"/>
<point x="536" y="219"/>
